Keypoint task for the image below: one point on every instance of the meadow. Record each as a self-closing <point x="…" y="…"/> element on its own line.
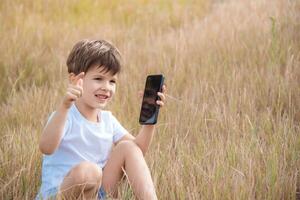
<point x="230" y="128"/>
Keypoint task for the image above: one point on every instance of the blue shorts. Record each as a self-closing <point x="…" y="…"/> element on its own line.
<point x="101" y="194"/>
<point x="51" y="194"/>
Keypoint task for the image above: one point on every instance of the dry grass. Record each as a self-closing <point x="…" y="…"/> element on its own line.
<point x="232" y="130"/>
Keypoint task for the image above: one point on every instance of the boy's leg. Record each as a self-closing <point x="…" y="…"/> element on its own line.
<point x="128" y="155"/>
<point x="83" y="181"/>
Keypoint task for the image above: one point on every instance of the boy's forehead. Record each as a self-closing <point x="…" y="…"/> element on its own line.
<point x="101" y="70"/>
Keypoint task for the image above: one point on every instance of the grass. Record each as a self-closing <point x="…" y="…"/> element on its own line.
<point x="230" y="129"/>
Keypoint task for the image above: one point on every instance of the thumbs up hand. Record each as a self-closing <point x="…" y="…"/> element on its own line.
<point x="74" y="90"/>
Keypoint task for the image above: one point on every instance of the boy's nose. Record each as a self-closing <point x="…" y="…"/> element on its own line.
<point x="105" y="87"/>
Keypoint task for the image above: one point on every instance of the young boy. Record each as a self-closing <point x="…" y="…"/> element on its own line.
<point x="77" y="142"/>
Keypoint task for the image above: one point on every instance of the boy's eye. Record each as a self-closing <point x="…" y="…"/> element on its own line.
<point x="113" y="81"/>
<point x="98" y="79"/>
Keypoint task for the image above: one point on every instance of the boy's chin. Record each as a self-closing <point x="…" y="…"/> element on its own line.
<point x="101" y="105"/>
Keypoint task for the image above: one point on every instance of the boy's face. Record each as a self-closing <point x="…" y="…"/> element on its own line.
<point x="99" y="87"/>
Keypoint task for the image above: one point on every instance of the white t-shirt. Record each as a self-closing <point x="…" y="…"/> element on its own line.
<point x="82" y="140"/>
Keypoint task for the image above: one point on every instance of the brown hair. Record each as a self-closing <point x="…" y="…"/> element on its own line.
<point x="87" y="53"/>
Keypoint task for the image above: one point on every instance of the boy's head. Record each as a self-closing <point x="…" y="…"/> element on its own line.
<point x="88" y="53"/>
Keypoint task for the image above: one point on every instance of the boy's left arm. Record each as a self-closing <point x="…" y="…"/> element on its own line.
<point x="144" y="138"/>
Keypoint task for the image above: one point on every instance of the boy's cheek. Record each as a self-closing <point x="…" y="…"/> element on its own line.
<point x="113" y="91"/>
<point x="112" y="94"/>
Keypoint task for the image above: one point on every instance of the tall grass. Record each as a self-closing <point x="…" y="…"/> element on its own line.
<point x="230" y="128"/>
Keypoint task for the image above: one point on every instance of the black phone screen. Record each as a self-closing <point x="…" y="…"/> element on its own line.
<point x="149" y="110"/>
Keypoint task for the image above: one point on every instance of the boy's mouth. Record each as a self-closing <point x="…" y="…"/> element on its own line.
<point x="102" y="96"/>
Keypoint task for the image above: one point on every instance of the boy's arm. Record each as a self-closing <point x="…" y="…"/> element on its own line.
<point x="53" y="131"/>
<point x="144" y="138"/>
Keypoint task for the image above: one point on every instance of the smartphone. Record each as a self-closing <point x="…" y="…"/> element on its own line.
<point x="150" y="109"/>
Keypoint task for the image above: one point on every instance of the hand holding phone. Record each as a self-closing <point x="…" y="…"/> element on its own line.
<point x="150" y="109"/>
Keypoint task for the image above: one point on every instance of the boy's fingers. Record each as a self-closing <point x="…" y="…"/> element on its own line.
<point x="162" y="96"/>
<point x="160" y="103"/>
<point x="71" y="96"/>
<point x="76" y="87"/>
<point x="75" y="91"/>
<point x="164" y="88"/>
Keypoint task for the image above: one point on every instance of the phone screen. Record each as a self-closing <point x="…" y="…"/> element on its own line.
<point x="149" y="110"/>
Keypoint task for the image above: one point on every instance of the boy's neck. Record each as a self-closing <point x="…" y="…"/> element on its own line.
<point x="91" y="114"/>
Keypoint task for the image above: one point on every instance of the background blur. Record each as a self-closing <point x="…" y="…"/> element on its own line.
<point x="230" y="128"/>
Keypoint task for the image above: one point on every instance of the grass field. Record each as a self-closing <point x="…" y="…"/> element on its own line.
<point x="230" y="127"/>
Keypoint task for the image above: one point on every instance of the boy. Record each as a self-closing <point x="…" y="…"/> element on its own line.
<point x="79" y="135"/>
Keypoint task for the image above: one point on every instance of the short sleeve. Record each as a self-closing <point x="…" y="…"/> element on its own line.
<point x="118" y="130"/>
<point x="66" y="127"/>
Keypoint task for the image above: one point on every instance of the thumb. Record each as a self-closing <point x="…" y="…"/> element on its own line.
<point x="79" y="79"/>
<point x="79" y="82"/>
<point x="81" y="75"/>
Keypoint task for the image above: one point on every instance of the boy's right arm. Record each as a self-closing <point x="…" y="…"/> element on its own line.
<point x="52" y="133"/>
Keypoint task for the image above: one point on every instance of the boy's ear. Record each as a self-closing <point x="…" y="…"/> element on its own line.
<point x="71" y="77"/>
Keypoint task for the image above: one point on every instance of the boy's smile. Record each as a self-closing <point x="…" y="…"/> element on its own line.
<point x="102" y="97"/>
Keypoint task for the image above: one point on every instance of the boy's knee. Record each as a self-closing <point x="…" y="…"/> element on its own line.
<point x="129" y="146"/>
<point x="87" y="172"/>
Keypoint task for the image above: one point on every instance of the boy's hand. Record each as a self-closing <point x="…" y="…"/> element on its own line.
<point x="74" y="90"/>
